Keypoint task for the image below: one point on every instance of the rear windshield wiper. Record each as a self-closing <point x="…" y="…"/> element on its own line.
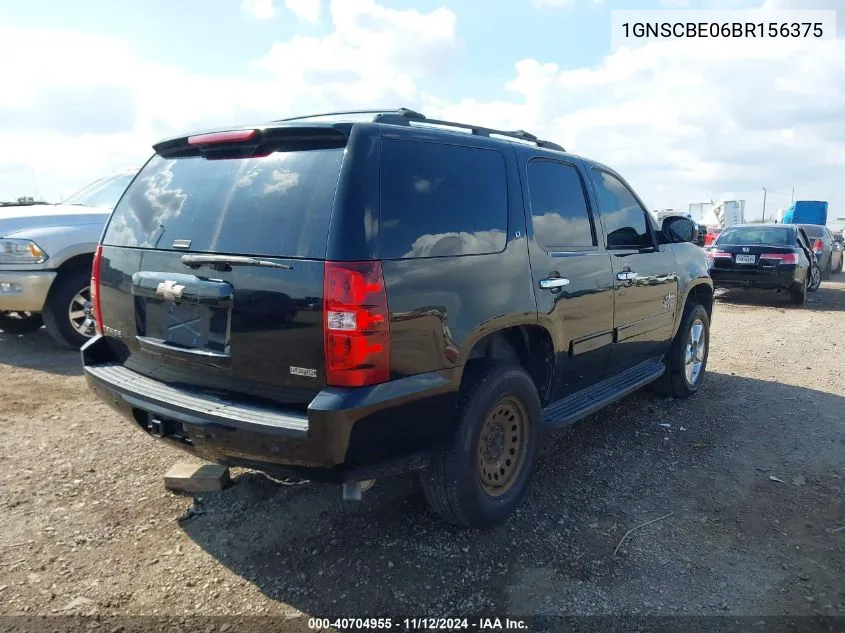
<point x="225" y="262"/>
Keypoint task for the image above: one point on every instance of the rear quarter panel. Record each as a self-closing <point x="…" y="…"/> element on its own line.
<point x="441" y="306"/>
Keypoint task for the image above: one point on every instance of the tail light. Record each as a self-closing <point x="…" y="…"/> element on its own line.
<point x="783" y="258"/>
<point x="713" y="255"/>
<point x="95" y="289"/>
<point x="818" y="247"/>
<point x="355" y="324"/>
<point x="215" y="138"/>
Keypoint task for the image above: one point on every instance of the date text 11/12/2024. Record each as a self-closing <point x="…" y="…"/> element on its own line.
<point x="418" y="624"/>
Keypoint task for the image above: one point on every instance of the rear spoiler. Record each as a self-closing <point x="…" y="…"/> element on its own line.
<point x="248" y="142"/>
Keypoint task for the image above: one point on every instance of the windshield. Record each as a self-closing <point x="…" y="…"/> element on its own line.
<point x="102" y="193"/>
<point x="748" y="235"/>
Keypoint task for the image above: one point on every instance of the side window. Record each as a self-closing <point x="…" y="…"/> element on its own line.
<point x="558" y="206"/>
<point x="624" y="218"/>
<point x="441" y="200"/>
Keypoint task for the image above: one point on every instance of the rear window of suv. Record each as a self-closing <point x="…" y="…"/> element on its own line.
<point x="441" y="200"/>
<point x="278" y="205"/>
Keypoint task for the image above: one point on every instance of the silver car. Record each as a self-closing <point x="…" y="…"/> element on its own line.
<point x="46" y="251"/>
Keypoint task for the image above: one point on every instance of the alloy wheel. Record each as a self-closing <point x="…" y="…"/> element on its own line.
<point x="80" y="313"/>
<point x="696" y="352"/>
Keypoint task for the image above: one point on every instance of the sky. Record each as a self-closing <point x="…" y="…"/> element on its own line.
<point x="88" y="86"/>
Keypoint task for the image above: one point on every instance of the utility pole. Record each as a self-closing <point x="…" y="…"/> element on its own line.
<point x="765" y="192"/>
<point x="793" y="194"/>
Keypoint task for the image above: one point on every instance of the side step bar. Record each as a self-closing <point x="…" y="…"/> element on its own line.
<point x="587" y="401"/>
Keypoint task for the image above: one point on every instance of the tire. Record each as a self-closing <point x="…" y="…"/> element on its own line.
<point x="492" y="396"/>
<point x="828" y="270"/>
<point x="678" y="382"/>
<point x="20" y="322"/>
<point x="815" y="279"/>
<point x="798" y="294"/>
<point x="57" y="319"/>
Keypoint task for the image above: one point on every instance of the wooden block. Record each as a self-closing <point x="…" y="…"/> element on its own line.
<point x="189" y="478"/>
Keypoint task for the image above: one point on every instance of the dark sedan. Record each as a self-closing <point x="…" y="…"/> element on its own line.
<point x="827" y="250"/>
<point x="767" y="256"/>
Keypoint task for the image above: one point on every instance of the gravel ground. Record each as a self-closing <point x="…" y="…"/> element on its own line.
<point x="749" y="476"/>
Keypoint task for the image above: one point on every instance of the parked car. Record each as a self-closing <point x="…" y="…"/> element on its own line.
<point x="46" y="253"/>
<point x="827" y="251"/>
<point x="767" y="256"/>
<point x="711" y="235"/>
<point x="701" y="234"/>
<point x="839" y="245"/>
<point x="458" y="290"/>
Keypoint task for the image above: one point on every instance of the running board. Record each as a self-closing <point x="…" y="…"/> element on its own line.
<point x="587" y="401"/>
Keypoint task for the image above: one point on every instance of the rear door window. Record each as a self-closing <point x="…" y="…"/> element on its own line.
<point x="441" y="200"/>
<point x="278" y="205"/>
<point x="559" y="211"/>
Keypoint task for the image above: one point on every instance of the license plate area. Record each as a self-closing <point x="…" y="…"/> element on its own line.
<point x="187" y="325"/>
<point x="746" y="259"/>
<point x="183" y="314"/>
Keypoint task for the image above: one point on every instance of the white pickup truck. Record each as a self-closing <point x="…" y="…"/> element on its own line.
<point x="46" y="252"/>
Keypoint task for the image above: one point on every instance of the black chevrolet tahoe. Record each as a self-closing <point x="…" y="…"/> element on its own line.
<point x="344" y="297"/>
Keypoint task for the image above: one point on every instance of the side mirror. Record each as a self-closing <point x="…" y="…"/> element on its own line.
<point x="677" y="228"/>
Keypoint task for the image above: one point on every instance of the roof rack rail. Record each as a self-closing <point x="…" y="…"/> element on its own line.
<point x="400" y="112"/>
<point x="405" y="116"/>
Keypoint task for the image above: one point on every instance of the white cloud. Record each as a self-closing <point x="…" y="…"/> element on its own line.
<point x="305" y="10"/>
<point x="374" y="55"/>
<point x="687" y="122"/>
<point x="682" y="121"/>
<point x="259" y="9"/>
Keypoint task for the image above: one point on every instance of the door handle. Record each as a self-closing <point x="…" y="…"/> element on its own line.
<point x="554" y="282"/>
<point x="626" y="276"/>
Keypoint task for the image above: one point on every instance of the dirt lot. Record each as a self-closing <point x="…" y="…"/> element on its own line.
<point x="752" y="471"/>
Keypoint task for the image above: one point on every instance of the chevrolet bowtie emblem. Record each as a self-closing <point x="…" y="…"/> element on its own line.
<point x="170" y="290"/>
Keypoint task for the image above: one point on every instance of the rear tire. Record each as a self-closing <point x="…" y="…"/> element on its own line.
<point x="828" y="270"/>
<point x="20" y="322"/>
<point x="692" y="343"/>
<point x="799" y="293"/>
<point x="483" y="472"/>
<point x="63" y="315"/>
<point x="815" y="279"/>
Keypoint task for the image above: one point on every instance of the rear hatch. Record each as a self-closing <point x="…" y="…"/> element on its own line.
<point x="211" y="274"/>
